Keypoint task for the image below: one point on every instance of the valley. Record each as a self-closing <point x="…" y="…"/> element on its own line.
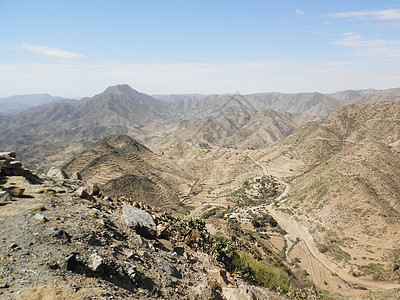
<point x="309" y="182"/>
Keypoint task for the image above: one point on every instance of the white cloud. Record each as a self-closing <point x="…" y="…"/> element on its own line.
<point x="365" y="47"/>
<point x="299" y="12"/>
<point x="384" y="14"/>
<point x="51" y="51"/>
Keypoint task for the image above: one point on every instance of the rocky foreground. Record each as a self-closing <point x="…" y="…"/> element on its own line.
<point x="61" y="238"/>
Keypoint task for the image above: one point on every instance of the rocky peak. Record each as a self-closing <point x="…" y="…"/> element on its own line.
<point x="120" y="89"/>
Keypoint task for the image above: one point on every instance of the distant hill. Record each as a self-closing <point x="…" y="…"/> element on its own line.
<point x="175" y="97"/>
<point x="350" y="95"/>
<point x="21" y="102"/>
<point x="216" y="105"/>
<point x="389" y="95"/>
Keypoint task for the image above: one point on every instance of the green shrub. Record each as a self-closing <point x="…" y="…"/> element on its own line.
<point x="264" y="274"/>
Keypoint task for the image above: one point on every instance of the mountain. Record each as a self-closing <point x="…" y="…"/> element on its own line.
<point x="237" y="129"/>
<point x="54" y="127"/>
<point x="120" y="105"/>
<point x="346" y="188"/>
<point x="22" y="102"/>
<point x="124" y="167"/>
<point x="315" y="104"/>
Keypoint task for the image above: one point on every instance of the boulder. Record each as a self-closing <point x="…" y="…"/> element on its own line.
<point x="16" y="191"/>
<point x="57" y="173"/>
<point x="171" y="270"/>
<point x="96" y="262"/>
<point x="92" y="189"/>
<point x="8" y="154"/>
<point x="9" y="166"/>
<point x="76" y="176"/>
<point x="5" y="198"/>
<point x="82" y="193"/>
<point x="140" y="221"/>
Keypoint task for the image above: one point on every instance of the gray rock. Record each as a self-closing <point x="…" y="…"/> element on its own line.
<point x="92" y="189"/>
<point x="56" y="173"/>
<point x="171" y="270"/>
<point x="139" y="220"/>
<point x="5" y="197"/>
<point x="179" y="250"/>
<point x="39" y="217"/>
<point x="82" y="193"/>
<point x="96" y="262"/>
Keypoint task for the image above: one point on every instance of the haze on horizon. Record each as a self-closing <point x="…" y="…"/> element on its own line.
<point x="78" y="48"/>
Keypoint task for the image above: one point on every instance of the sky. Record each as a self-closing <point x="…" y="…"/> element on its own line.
<point x="78" y="48"/>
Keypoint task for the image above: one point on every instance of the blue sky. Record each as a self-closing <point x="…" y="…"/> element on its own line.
<point x="78" y="48"/>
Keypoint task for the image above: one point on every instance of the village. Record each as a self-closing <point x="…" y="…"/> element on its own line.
<point x="257" y="193"/>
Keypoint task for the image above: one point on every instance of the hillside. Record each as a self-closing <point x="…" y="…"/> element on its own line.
<point x="123" y="167"/>
<point x="238" y="129"/>
<point x="59" y="243"/>
<point x="346" y="190"/>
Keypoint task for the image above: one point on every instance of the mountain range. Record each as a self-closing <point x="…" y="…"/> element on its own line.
<point x="122" y="110"/>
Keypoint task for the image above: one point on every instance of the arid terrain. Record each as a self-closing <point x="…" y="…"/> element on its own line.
<point x="306" y="183"/>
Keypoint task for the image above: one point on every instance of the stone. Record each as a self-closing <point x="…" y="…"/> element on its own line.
<point x="70" y="262"/>
<point x="9" y="154"/>
<point x="61" y="234"/>
<point x="165" y="244"/>
<point x="140" y="221"/>
<point x="76" y="176"/>
<point x="179" y="250"/>
<point x="16" y="191"/>
<point x="171" y="270"/>
<point x="82" y="193"/>
<point x="39" y="217"/>
<point x="162" y="230"/>
<point x="15" y="164"/>
<point x="92" y="189"/>
<point x="96" y="262"/>
<point x="5" y="197"/>
<point x="56" y="173"/>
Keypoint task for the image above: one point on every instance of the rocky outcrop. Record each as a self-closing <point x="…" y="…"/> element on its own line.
<point x="139" y="220"/>
<point x="56" y="173"/>
<point x="9" y="166"/>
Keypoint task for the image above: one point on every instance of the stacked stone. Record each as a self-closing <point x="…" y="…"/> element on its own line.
<point x="9" y="166"/>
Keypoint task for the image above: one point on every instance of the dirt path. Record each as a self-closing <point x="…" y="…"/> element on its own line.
<point x="296" y="231"/>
